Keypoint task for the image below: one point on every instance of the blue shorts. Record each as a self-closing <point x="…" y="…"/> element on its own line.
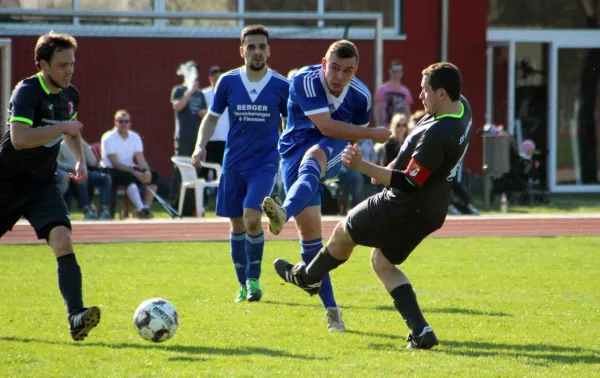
<point x="244" y="190"/>
<point x="292" y="148"/>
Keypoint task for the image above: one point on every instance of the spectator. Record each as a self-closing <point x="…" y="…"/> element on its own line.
<point x="123" y="156"/>
<point x="215" y="149"/>
<point x="189" y="105"/>
<point x="66" y="162"/>
<point x="391" y="148"/>
<point x="392" y="97"/>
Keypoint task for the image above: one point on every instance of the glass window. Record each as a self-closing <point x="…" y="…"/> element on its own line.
<point x="550" y="14"/>
<point x="384" y="6"/>
<point x="116" y="5"/>
<point x="201" y="6"/>
<point x="282" y="6"/>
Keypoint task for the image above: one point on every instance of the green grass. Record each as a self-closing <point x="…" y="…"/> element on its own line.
<point x="506" y="307"/>
<point x="560" y="203"/>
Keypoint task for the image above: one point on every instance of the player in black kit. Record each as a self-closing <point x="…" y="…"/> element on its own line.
<point x="43" y="112"/>
<point x="413" y="204"/>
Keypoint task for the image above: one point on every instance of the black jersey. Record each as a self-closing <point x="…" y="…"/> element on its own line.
<point x="432" y="154"/>
<point x="32" y="103"/>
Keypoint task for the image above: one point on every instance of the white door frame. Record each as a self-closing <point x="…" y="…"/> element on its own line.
<point x="556" y="39"/>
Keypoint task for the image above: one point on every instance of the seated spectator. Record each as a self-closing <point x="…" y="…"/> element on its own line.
<point x="96" y="179"/>
<point x="64" y="180"/>
<point x="415" y="118"/>
<point x="123" y="156"/>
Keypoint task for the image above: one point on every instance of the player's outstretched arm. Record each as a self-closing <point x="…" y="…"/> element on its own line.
<point x="23" y="136"/>
<point x="207" y="129"/>
<point x="346" y="131"/>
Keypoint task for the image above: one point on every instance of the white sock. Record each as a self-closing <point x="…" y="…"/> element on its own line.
<point x="134" y="195"/>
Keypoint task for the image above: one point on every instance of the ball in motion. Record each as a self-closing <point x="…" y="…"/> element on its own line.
<point x="156" y="320"/>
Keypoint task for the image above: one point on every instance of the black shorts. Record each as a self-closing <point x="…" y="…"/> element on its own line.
<point x="125" y="178"/>
<point x="41" y="204"/>
<point x="395" y="227"/>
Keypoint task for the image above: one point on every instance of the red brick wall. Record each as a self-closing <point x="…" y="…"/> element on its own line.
<point x="139" y="73"/>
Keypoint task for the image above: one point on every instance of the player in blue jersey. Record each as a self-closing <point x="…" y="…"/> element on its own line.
<point x="255" y="98"/>
<point x="328" y="107"/>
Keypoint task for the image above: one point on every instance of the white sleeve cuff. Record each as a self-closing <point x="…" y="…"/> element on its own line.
<point x="316" y="111"/>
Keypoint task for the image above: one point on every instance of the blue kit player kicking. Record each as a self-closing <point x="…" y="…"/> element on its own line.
<point x="327" y="108"/>
<point x="255" y="98"/>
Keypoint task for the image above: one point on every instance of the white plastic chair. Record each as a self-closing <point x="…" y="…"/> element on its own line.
<point x="189" y="179"/>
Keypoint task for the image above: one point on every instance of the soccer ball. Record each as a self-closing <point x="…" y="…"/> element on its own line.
<point x="156" y="320"/>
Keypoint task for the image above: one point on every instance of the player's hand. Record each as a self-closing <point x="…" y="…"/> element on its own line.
<point x="80" y="173"/>
<point x="72" y="128"/>
<point x="352" y="157"/>
<point x="198" y="157"/>
<point x="381" y="134"/>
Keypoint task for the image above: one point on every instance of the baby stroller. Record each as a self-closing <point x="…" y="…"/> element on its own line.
<point x="524" y="183"/>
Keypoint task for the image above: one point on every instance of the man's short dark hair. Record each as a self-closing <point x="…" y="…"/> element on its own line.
<point x="344" y="49"/>
<point x="254" y="30"/>
<point x="445" y="76"/>
<point x="395" y="62"/>
<point x="215" y="70"/>
<point x="50" y="43"/>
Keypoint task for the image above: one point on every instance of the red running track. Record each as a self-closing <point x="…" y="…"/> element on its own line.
<point x="195" y="229"/>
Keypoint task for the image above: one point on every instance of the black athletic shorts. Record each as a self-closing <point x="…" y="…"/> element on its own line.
<point x="41" y="204"/>
<point x="395" y="226"/>
<point x="125" y="178"/>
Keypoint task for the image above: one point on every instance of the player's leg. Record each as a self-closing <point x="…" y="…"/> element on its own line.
<point x="13" y="201"/>
<point x="260" y="185"/>
<point x="308" y="223"/>
<point x="48" y="214"/>
<point x="230" y="199"/>
<point x="398" y="285"/>
<point x="300" y="190"/>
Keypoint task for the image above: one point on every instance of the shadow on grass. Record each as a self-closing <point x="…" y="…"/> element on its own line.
<point x="450" y="310"/>
<point x="539" y="353"/>
<point x="187" y="349"/>
<point x="442" y="310"/>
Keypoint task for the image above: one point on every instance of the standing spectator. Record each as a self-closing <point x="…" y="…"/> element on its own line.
<point x="123" y="155"/>
<point x="66" y="163"/>
<point x="190" y="107"/>
<point x="215" y="149"/>
<point x="392" y="97"/>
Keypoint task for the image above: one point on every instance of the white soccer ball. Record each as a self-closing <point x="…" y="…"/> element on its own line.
<point x="156" y="320"/>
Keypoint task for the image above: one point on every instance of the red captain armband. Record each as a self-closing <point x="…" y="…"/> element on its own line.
<point x="416" y="172"/>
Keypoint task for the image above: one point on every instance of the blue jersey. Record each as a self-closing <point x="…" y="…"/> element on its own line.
<point x="255" y="111"/>
<point x="309" y="95"/>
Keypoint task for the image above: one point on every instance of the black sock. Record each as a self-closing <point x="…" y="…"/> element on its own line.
<point x="405" y="301"/>
<point x="69" y="282"/>
<point x="322" y="264"/>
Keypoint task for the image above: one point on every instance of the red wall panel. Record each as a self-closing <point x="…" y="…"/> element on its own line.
<point x="138" y="73"/>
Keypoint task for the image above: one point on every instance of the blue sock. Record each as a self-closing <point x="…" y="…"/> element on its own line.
<point x="238" y="255"/>
<point x="310" y="248"/>
<point x="304" y="189"/>
<point x="255" y="244"/>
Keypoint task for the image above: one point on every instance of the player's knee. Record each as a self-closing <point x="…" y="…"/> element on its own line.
<point x="341" y="244"/>
<point x="60" y="241"/>
<point x="252" y="223"/>
<point x="237" y="225"/>
<point x="379" y="262"/>
<point x="318" y="154"/>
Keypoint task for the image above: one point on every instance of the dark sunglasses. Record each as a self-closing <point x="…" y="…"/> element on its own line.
<point x="397" y="69"/>
<point x="123" y="120"/>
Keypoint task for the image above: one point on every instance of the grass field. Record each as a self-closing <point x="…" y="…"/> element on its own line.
<point x="506" y="307"/>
